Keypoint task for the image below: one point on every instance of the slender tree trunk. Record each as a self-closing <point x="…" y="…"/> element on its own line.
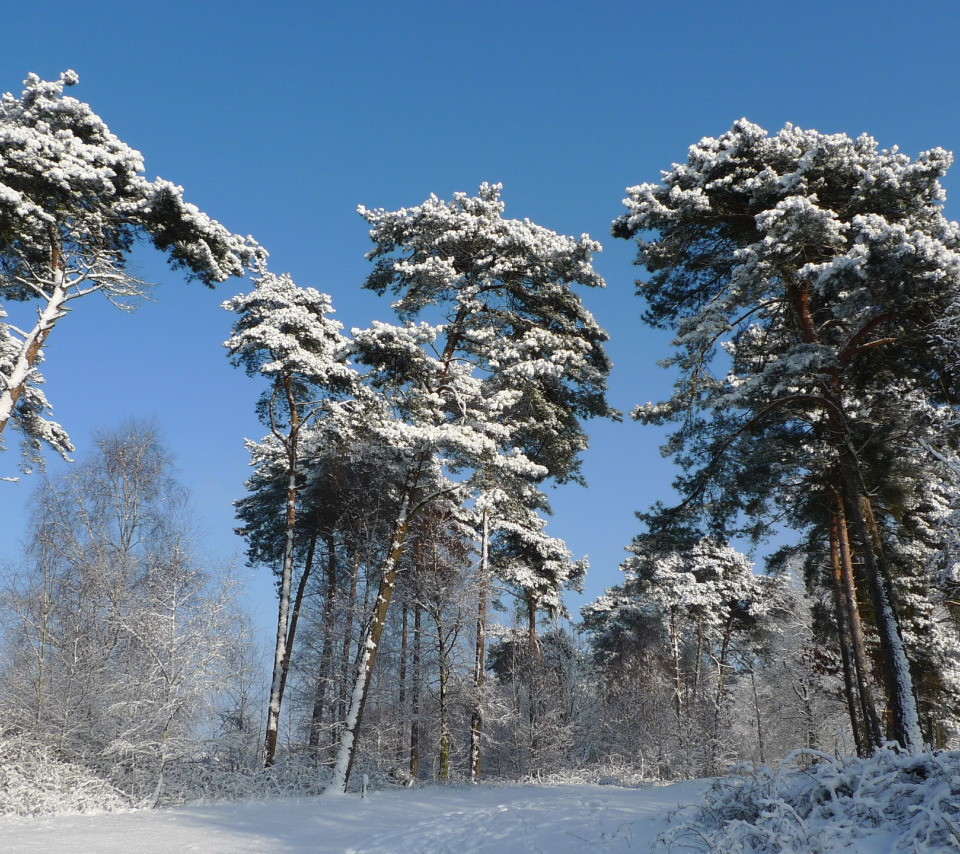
<point x="283" y="615"/>
<point x="444" y="756"/>
<point x="846" y="648"/>
<point x="721" y="695"/>
<point x="534" y="657"/>
<point x="698" y="664"/>
<point x="803" y="695"/>
<point x="861" y="661"/>
<point x="367" y="658"/>
<point x="402" y="698"/>
<point x="759" y="717"/>
<point x="347" y="641"/>
<point x="295" y="613"/>
<point x="476" y="716"/>
<point x="326" y="650"/>
<point x="415" y="689"/>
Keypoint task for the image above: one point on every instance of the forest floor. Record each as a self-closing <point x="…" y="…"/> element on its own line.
<point x="431" y="820"/>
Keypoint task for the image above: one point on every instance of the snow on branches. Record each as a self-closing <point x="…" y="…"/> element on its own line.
<point x="820" y="267"/>
<point x="73" y="202"/>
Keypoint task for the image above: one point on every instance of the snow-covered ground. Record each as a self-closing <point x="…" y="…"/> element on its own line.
<point x="464" y="820"/>
<point x="891" y="803"/>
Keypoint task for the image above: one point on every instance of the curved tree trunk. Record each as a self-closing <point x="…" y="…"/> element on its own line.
<point x="32" y="344"/>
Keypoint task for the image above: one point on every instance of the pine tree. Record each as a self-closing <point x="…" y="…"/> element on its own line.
<point x="817" y="265"/>
<point x="73" y="202"/>
<point x="283" y="333"/>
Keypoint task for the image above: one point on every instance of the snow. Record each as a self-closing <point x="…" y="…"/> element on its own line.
<point x="468" y="820"/>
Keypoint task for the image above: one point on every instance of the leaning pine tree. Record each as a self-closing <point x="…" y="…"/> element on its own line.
<point x="818" y="264"/>
<point x="73" y="202"/>
<point x="496" y="391"/>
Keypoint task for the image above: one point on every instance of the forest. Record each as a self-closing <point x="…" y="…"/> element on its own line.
<point x="797" y="604"/>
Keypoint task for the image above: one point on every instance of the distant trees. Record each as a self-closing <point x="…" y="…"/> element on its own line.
<point x="811" y="270"/>
<point x="702" y="613"/>
<point x="73" y="202"/>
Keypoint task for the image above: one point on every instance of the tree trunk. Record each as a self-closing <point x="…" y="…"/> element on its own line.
<point x="402" y="698"/>
<point x="32" y="344"/>
<point x="534" y="657"/>
<point x="677" y="671"/>
<point x="847" y="601"/>
<point x="326" y="650"/>
<point x="344" y="686"/>
<point x="476" y="716"/>
<point x="367" y="659"/>
<point x="280" y="651"/>
<point x="416" y="682"/>
<point x="857" y="726"/>
<point x="896" y="667"/>
<point x="295" y="613"/>
<point x="759" y="717"/>
<point x="903" y="704"/>
<point x="444" y="756"/>
<point x="721" y="695"/>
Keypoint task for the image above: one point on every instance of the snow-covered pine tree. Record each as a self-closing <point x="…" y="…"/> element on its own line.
<point x="283" y="333"/>
<point x="73" y="202"/>
<point x="818" y="265"/>
<point x="516" y="365"/>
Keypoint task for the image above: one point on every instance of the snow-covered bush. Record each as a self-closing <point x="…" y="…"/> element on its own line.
<point x="814" y="803"/>
<point x="34" y="782"/>
<point x="294" y="775"/>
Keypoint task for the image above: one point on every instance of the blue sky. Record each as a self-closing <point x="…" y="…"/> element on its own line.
<point x="280" y="118"/>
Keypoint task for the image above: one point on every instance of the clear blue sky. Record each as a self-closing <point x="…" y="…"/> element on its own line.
<point x="280" y="118"/>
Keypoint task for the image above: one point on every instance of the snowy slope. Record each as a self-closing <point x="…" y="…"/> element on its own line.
<point x="495" y="819"/>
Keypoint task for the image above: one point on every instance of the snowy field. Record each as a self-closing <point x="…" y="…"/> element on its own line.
<point x="494" y="819"/>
